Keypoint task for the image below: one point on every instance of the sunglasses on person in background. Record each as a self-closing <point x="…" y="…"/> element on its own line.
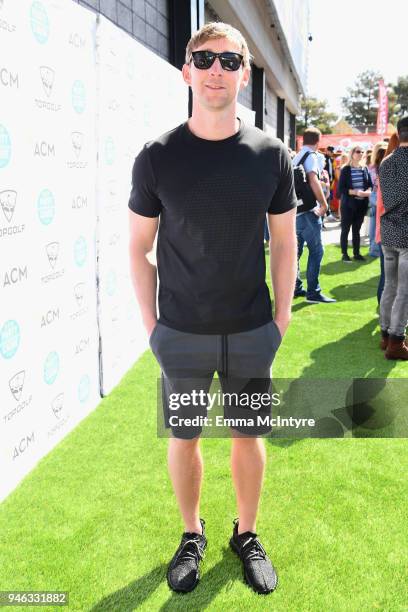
<point x="357" y="151"/>
<point x="228" y="60"/>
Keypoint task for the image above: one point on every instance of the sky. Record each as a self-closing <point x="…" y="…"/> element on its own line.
<point x="351" y="36"/>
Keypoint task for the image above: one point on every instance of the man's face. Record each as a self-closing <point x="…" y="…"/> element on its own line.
<point x="216" y="88"/>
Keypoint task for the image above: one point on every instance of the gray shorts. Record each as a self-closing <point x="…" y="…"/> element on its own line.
<point x="188" y="362"/>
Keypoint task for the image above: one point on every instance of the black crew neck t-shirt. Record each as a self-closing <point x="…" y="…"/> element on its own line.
<point x="212" y="197"/>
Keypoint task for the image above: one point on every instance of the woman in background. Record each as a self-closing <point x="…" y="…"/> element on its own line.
<point x="354" y="188"/>
<point x="377" y="157"/>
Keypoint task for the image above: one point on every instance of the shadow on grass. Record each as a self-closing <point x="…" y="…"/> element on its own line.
<point x="300" y="305"/>
<point x="356" y="291"/>
<point x="134" y="594"/>
<point x="355" y="356"/>
<point x="339" y="267"/>
<point x="223" y="573"/>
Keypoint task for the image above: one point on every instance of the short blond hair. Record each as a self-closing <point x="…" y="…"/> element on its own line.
<point x="214" y="30"/>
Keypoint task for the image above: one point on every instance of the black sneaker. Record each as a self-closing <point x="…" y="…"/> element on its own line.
<point x="258" y="569"/>
<point x="319" y="298"/>
<point x="359" y="257"/>
<point x="299" y="293"/>
<point x="346" y="257"/>
<point x="183" y="574"/>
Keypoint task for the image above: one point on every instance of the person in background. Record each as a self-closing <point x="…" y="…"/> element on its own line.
<point x="392" y="145"/>
<point x="324" y="181"/>
<point x="329" y="168"/>
<point x="377" y="157"/>
<point x="354" y="188"/>
<point x="368" y="157"/>
<point x="393" y="176"/>
<point x="309" y="220"/>
<point x="335" y="201"/>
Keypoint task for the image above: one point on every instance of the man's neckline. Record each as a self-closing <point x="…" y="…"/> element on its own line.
<point x="196" y="138"/>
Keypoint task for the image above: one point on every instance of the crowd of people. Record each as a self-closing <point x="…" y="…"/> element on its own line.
<point x="335" y="185"/>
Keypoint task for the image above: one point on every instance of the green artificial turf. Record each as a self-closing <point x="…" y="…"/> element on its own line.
<point x="97" y="516"/>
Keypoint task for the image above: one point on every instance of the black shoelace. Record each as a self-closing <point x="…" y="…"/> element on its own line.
<point x="252" y="550"/>
<point x="190" y="550"/>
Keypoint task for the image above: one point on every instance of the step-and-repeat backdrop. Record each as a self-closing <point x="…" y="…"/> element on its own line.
<point x="78" y="99"/>
<point x="49" y="343"/>
<point x="140" y="97"/>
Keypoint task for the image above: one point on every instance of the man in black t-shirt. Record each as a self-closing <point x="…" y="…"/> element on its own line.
<point x="211" y="182"/>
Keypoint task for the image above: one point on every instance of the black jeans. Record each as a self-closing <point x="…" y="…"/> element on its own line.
<point x="352" y="215"/>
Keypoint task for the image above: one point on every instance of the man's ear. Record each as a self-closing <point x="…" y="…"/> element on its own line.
<point x="186" y="72"/>
<point x="246" y="75"/>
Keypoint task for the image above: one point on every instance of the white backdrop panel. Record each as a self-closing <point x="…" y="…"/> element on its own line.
<point x="140" y="97"/>
<point x="49" y="377"/>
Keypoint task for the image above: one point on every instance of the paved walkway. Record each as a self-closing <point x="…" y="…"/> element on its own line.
<point x="331" y="233"/>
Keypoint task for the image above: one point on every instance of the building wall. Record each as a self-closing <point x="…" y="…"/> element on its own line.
<point x="271" y="110"/>
<point x="146" y="20"/>
<point x="287" y="127"/>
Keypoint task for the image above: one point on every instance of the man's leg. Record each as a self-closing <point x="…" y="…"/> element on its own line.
<point x="248" y="459"/>
<point x="300" y="245"/>
<point x="313" y="238"/>
<point x="185" y="465"/>
<point x="399" y="311"/>
<point x="390" y="287"/>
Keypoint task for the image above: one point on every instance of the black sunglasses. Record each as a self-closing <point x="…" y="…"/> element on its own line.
<point x="228" y="60"/>
<point x="357" y="151"/>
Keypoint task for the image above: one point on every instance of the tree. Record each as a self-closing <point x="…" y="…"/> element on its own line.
<point x="314" y="113"/>
<point x="401" y="92"/>
<point x="361" y="102"/>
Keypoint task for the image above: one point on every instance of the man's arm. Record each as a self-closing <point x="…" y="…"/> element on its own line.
<point x="142" y="232"/>
<point x="283" y="262"/>
<point x="318" y="192"/>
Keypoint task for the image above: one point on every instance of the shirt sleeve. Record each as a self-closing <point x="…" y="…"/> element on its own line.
<point x="284" y="198"/>
<point x="143" y="196"/>
<point x="311" y="164"/>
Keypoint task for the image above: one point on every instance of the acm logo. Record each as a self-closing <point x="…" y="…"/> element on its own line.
<point x="14" y="276"/>
<point x="8" y="79"/>
<point x="22" y="445"/>
<point x="44" y="149"/>
<point x="49" y="317"/>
